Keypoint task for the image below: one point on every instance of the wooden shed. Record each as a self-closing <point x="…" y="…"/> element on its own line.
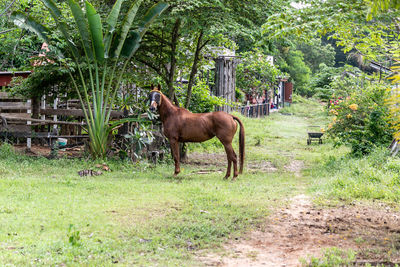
<point x="225" y="79"/>
<point x="6" y="76"/>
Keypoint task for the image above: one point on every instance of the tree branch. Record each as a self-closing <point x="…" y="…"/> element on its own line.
<point x="7" y="8"/>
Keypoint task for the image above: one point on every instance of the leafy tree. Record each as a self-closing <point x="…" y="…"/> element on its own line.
<point x="255" y="74"/>
<point x="103" y="55"/>
<point x="332" y="82"/>
<point x="178" y="43"/>
<point x="315" y="54"/>
<point x="344" y="21"/>
<point x="202" y="100"/>
<point x="292" y="62"/>
<point x="17" y="45"/>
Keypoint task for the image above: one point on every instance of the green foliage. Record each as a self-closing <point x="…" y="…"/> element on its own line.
<point x="348" y="80"/>
<point x="332" y="257"/>
<point x="393" y="98"/>
<point x="255" y="74"/>
<point x="317" y="54"/>
<point x="73" y="236"/>
<point x="42" y="81"/>
<point x="374" y="176"/>
<point x="134" y="142"/>
<point x="349" y="26"/>
<point x="202" y="99"/>
<point x="6" y="151"/>
<point x="292" y="62"/>
<point x="17" y="46"/>
<point x="96" y="93"/>
<point x="361" y="119"/>
<point x="379" y="6"/>
<point x="320" y="83"/>
<point x="239" y="95"/>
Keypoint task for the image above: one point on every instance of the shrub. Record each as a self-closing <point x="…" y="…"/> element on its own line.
<point x="255" y="73"/>
<point x="202" y="100"/>
<point x="361" y="119"/>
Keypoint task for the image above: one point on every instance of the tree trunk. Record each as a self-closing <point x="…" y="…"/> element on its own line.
<point x="183" y="152"/>
<point x="172" y="68"/>
<point x="193" y="72"/>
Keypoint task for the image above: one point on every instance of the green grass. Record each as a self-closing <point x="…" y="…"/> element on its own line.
<point x="130" y="215"/>
<point x="138" y="214"/>
<point x="332" y="257"/>
<point x="373" y="177"/>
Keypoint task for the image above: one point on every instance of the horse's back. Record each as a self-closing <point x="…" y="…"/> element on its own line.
<point x="199" y="127"/>
<point x="195" y="127"/>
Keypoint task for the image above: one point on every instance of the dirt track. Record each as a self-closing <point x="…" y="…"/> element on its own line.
<point x="301" y="230"/>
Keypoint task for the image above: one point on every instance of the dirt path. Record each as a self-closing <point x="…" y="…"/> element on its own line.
<point x="301" y="230"/>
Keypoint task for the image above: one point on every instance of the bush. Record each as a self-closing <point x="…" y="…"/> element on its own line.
<point x="202" y="100"/>
<point x="361" y="120"/>
<point x="255" y="74"/>
<point x="6" y="151"/>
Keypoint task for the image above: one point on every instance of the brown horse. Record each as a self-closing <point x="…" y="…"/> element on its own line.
<point x="180" y="125"/>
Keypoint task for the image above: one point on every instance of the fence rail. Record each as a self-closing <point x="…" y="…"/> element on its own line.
<point x="254" y="111"/>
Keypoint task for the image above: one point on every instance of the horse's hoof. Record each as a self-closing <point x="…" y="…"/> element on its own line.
<point x="234" y="178"/>
<point x="226" y="177"/>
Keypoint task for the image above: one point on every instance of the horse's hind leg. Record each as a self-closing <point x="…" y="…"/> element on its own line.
<point x="232" y="158"/>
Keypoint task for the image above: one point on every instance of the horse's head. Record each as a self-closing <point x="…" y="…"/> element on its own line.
<point x="155" y="98"/>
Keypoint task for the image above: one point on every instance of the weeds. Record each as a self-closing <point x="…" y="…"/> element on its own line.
<point x="332" y="257"/>
<point x="73" y="236"/>
<point x="375" y="176"/>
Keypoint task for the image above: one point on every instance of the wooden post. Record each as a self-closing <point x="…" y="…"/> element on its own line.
<point x="43" y="106"/>
<point x="55" y="116"/>
<point x="29" y="111"/>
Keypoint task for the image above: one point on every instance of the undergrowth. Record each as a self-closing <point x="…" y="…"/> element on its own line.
<point x="331" y="257"/>
<point x="372" y="177"/>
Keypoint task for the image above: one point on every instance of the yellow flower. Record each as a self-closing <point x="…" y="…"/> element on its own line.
<point x="353" y="106"/>
<point x="333" y="111"/>
<point x="334" y="119"/>
<point x="322" y="130"/>
<point x="349" y="116"/>
<point x="330" y="125"/>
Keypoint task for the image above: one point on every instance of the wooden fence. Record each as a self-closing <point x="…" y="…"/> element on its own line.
<point x="58" y="119"/>
<point x="254" y="111"/>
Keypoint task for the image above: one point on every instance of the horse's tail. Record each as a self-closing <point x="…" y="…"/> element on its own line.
<point x="241" y="143"/>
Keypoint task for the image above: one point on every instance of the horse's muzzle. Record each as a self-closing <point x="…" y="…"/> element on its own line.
<point x="153" y="106"/>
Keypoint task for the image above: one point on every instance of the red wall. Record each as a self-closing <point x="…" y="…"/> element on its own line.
<point x="6" y="77"/>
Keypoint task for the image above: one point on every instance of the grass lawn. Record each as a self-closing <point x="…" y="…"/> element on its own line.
<point x="140" y="214"/>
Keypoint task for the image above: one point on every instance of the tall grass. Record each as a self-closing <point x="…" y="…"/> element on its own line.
<point x="376" y="176"/>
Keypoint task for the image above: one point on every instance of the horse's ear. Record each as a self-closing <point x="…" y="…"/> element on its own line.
<point x="159" y="87"/>
<point x="152" y="86"/>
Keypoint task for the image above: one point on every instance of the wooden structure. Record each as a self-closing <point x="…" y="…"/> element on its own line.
<point x="282" y="94"/>
<point x="225" y="79"/>
<point x="7" y="76"/>
<point x="60" y="119"/>
<point x="254" y="111"/>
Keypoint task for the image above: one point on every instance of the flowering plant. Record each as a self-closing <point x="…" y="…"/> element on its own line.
<point x="361" y="119"/>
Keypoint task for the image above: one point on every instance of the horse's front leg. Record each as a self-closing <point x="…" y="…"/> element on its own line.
<point x="175" y="154"/>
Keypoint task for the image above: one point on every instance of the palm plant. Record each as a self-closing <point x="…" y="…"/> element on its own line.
<point x="106" y="53"/>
